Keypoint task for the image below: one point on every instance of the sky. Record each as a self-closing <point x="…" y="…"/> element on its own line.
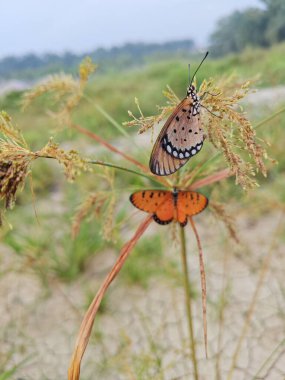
<point x="35" y="26"/>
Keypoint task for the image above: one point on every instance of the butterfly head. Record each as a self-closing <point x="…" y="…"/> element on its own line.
<point x="191" y="91"/>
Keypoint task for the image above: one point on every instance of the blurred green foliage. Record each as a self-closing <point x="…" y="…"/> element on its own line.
<point x="250" y="28"/>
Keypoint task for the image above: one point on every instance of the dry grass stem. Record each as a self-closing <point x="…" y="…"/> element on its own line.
<point x="87" y="323"/>
<point x="92" y="205"/>
<point x="203" y="285"/>
<point x="188" y="303"/>
<point x="72" y="163"/>
<point x="110" y="147"/>
<point x="216" y="177"/>
<point x="221" y="213"/>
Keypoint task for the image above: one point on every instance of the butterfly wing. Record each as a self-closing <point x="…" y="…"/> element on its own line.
<point x="157" y="202"/>
<point x="180" y="138"/>
<point x="189" y="203"/>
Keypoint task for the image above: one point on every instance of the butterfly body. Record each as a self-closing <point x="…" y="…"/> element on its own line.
<point x="167" y="206"/>
<point x="180" y="138"/>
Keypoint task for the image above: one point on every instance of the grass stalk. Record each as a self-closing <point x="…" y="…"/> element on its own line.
<point x="216" y="177"/>
<point x="151" y="177"/>
<point x="203" y="284"/>
<point x="188" y="304"/>
<point x="110" y="147"/>
<point x="88" y="320"/>
<point x="269" y="118"/>
<point x="268" y="360"/>
<point x="102" y="163"/>
<point x="221" y="319"/>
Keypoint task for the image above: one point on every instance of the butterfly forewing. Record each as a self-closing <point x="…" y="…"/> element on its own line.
<point x="158" y="202"/>
<point x="191" y="203"/>
<point x="180" y="138"/>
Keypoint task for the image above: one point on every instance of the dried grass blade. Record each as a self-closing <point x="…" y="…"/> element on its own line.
<point x="88" y="320"/>
<point x="216" y="177"/>
<point x="203" y="285"/>
<point x="101" y="141"/>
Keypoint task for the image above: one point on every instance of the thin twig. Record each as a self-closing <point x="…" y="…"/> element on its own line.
<point x="203" y="285"/>
<point x="88" y="320"/>
<point x="222" y="315"/>
<point x="188" y="303"/>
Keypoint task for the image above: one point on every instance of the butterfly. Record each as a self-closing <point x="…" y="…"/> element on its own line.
<point x="181" y="137"/>
<point x="167" y="206"/>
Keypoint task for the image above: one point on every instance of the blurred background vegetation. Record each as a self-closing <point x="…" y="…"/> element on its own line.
<point x="48" y="279"/>
<point x="241" y="30"/>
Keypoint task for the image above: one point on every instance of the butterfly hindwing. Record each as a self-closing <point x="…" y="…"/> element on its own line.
<point x="164" y="164"/>
<point x="181" y="138"/>
<point x="165" y="212"/>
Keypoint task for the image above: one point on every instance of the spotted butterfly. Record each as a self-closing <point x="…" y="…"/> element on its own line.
<point x="181" y="137"/>
<point x="167" y="206"/>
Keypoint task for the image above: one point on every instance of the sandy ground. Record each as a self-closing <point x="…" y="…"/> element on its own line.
<point x="141" y="324"/>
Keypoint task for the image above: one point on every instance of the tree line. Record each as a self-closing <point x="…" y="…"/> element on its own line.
<point x="252" y="27"/>
<point x="32" y="66"/>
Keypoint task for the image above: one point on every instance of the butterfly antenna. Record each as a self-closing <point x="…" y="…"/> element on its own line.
<point x="199" y="67"/>
<point x="220" y="117"/>
<point x="189" y="78"/>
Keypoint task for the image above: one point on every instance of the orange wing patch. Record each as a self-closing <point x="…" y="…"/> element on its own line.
<point x="159" y="203"/>
<point x="167" y="206"/>
<point x="190" y="203"/>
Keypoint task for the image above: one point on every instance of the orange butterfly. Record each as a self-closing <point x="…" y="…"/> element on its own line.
<point x="181" y="136"/>
<point x="167" y="205"/>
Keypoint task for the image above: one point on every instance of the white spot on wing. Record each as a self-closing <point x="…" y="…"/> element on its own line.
<point x="168" y="148"/>
<point x="175" y="154"/>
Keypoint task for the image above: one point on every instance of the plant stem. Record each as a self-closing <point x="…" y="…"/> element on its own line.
<point x="188" y="304"/>
<point x="216" y="177"/>
<point x="102" y="163"/>
<point x="267" y="361"/>
<point x="112" y="148"/>
<point x="269" y="118"/>
<point x="88" y="320"/>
